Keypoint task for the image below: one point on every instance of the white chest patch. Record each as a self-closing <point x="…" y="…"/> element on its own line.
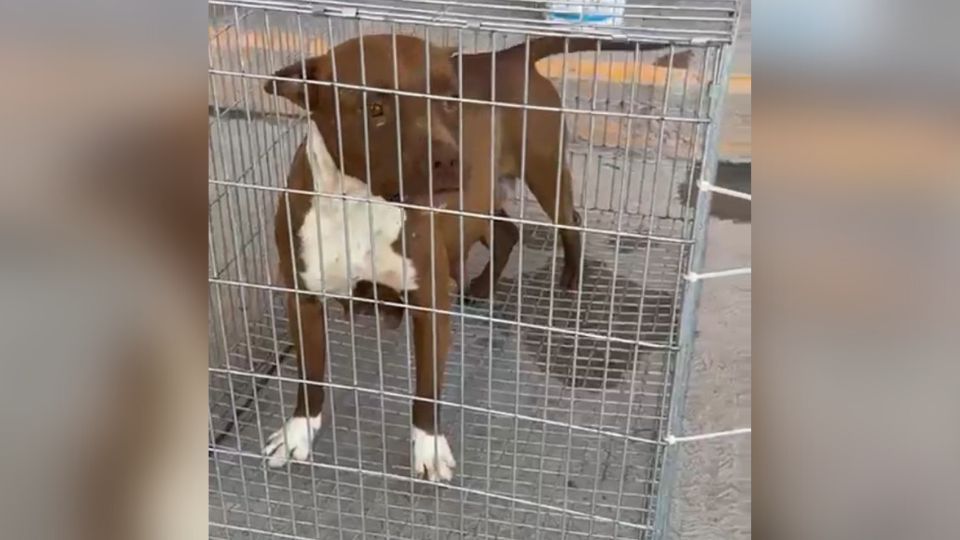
<point x="343" y="242"/>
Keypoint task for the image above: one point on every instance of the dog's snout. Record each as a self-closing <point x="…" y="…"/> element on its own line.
<point x="442" y="164"/>
<point x="446" y="167"/>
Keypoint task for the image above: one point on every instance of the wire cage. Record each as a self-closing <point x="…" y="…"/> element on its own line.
<point x="556" y="402"/>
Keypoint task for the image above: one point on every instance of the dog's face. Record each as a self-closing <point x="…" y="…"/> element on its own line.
<point x="395" y="133"/>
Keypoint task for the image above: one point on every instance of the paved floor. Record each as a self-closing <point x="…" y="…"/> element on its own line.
<point x="542" y="474"/>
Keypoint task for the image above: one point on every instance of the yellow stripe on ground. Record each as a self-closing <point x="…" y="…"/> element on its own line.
<point x="227" y="39"/>
<point x="618" y="72"/>
<point x="607" y="71"/>
<point x="740" y="84"/>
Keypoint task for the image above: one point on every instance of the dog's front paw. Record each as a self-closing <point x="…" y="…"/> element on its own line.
<point x="570" y="278"/>
<point x="294" y="439"/>
<point x="432" y="456"/>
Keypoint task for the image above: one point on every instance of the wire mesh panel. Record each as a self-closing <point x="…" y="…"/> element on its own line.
<point x="555" y="399"/>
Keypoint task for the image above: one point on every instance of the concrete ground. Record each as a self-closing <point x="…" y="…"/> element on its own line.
<point x="516" y="478"/>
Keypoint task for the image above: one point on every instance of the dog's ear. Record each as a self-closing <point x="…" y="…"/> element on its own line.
<point x="454" y="55"/>
<point x="315" y="69"/>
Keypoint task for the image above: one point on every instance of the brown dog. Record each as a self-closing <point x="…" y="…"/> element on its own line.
<point x="328" y="247"/>
<point x="397" y="126"/>
<point x="415" y="154"/>
<point x="433" y="250"/>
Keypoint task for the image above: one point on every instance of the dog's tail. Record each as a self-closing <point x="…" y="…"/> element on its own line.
<point x="543" y="47"/>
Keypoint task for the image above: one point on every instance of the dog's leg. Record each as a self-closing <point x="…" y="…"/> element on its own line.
<point x="542" y="180"/>
<point x="505" y="237"/>
<point x="296" y="437"/>
<point x="431" y="452"/>
<point x="571" y="238"/>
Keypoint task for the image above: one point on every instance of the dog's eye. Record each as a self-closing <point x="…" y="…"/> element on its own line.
<point x="376" y="110"/>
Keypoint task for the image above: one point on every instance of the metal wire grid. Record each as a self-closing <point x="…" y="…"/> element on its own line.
<point x="553" y="418"/>
<point x="678" y="21"/>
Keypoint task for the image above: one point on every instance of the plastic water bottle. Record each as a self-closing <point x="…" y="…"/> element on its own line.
<point x="588" y="12"/>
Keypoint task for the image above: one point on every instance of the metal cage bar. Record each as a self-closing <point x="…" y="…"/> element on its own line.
<point x="560" y="405"/>
<point x="688" y="316"/>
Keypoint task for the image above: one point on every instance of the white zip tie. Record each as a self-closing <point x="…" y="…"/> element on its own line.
<point x="693" y="276"/>
<point x="673" y="439"/>
<point x="706" y="186"/>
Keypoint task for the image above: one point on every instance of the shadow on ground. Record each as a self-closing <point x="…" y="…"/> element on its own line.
<point x="572" y="355"/>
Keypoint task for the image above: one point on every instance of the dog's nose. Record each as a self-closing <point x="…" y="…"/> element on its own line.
<point x="446" y="167"/>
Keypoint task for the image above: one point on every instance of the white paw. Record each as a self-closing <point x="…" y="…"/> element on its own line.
<point x="300" y="431"/>
<point x="432" y="456"/>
